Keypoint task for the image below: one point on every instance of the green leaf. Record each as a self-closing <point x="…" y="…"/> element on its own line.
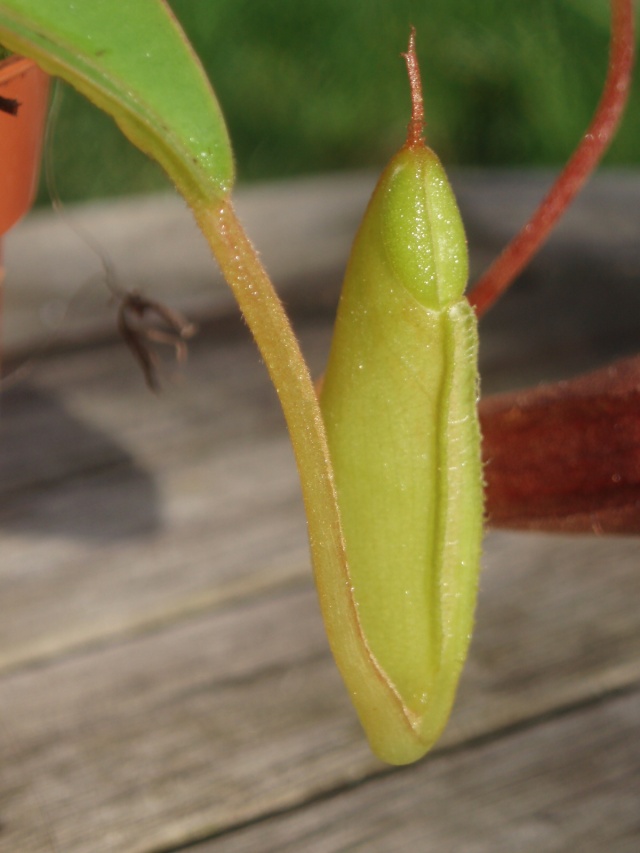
<point x="133" y="61"/>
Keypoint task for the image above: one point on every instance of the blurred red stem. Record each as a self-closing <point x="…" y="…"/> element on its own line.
<point x="566" y="456"/>
<point x="585" y="158"/>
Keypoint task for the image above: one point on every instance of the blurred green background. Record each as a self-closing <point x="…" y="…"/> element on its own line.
<point x="310" y="87"/>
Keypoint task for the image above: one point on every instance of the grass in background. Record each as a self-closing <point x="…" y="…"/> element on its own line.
<point x="315" y="87"/>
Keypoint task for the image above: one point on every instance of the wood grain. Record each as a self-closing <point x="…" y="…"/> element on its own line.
<point x="164" y="676"/>
<point x="566" y="784"/>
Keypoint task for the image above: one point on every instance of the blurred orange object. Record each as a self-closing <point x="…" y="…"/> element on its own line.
<point x="21" y="135"/>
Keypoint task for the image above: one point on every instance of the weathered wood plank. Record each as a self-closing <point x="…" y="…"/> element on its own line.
<point x="571" y="783"/>
<point x="304" y="228"/>
<point x="165" y="675"/>
<point x="238" y="713"/>
<point x="121" y="511"/>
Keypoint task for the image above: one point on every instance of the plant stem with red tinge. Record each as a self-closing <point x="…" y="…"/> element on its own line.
<point x="515" y="257"/>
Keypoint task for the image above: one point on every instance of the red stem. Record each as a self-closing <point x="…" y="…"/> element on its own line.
<point x="585" y="158"/>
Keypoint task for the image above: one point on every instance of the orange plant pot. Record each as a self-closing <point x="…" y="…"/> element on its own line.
<point x="21" y="136"/>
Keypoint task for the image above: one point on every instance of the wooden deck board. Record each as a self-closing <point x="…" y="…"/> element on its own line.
<point x="164" y="677"/>
<point x="567" y="784"/>
<point x="233" y="714"/>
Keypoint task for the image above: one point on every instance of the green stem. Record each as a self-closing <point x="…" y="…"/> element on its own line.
<point x="265" y="316"/>
<point x="279" y="347"/>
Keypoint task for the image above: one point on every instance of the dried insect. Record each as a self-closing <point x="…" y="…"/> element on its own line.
<point x="143" y="322"/>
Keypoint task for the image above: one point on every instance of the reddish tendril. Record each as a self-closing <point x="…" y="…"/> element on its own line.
<point x="493" y="283"/>
<point x="415" y="130"/>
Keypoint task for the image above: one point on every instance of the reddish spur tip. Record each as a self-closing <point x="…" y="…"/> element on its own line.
<point x="415" y="131"/>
